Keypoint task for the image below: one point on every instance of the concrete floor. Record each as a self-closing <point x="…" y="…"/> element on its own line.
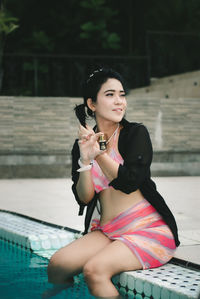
<point x="52" y="200"/>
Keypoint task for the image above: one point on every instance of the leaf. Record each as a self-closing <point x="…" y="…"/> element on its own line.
<point x="7" y="23"/>
<point x="85" y="35"/>
<point x="112" y="42"/>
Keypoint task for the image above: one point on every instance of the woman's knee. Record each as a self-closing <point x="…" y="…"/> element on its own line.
<point x="94" y="272"/>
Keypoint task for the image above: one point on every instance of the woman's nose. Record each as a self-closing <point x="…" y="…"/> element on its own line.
<point x="118" y="99"/>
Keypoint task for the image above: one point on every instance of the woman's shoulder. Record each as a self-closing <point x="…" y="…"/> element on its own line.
<point x="134" y="137"/>
<point x="132" y="133"/>
<point x="132" y="127"/>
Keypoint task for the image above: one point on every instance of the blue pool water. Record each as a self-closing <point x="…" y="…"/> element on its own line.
<point x="23" y="275"/>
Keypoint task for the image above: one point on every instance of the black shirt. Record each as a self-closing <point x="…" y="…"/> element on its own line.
<point x="135" y="147"/>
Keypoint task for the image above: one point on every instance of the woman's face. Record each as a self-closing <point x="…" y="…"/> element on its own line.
<point x="111" y="102"/>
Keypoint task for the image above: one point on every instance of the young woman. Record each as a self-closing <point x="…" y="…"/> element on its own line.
<point x="136" y="229"/>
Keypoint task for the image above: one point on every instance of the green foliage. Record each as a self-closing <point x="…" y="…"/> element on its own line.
<point x="96" y="31"/>
<point x="101" y="27"/>
<point x="7" y="23"/>
<point x="90" y="28"/>
<point x="96" y="26"/>
<point x="39" y="41"/>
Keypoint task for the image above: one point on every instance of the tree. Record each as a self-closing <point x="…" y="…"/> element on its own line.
<point x="7" y="25"/>
<point x="81" y="28"/>
<point x="95" y="30"/>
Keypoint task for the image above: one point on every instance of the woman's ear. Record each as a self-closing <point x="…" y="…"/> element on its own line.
<point x="91" y="104"/>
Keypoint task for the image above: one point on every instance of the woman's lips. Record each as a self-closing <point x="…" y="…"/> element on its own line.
<point x="118" y="109"/>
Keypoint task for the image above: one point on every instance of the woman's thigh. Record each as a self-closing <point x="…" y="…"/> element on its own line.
<point x="71" y="258"/>
<point x="116" y="257"/>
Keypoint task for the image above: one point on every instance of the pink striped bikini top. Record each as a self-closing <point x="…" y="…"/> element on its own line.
<point x="100" y="181"/>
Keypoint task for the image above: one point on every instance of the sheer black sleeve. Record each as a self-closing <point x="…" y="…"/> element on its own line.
<point x="137" y="155"/>
<point x="75" y="175"/>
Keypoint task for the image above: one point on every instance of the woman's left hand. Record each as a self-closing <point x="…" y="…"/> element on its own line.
<point x="88" y="145"/>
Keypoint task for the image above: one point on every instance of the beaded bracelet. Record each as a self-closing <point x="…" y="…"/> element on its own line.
<point x="83" y="166"/>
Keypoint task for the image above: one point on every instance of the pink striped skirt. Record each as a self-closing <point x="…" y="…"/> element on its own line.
<point x="144" y="231"/>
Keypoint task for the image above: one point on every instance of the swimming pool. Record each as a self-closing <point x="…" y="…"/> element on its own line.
<point x="23" y="275"/>
<point x="26" y="245"/>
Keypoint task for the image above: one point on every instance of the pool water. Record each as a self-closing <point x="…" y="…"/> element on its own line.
<point x="23" y="275"/>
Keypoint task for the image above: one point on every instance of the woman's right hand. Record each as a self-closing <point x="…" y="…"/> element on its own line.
<point x="88" y="144"/>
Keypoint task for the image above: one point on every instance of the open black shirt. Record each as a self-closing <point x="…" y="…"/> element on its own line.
<point x="135" y="147"/>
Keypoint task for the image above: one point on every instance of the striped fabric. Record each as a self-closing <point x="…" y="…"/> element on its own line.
<point x="100" y="181"/>
<point x="143" y="230"/>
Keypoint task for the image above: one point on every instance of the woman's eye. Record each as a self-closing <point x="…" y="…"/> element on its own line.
<point x="109" y="94"/>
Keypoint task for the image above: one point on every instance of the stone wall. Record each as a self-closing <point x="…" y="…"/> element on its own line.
<point x="174" y="125"/>
<point x="37" y="134"/>
<point x="186" y="85"/>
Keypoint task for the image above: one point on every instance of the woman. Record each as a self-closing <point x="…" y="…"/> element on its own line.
<point x="136" y="229"/>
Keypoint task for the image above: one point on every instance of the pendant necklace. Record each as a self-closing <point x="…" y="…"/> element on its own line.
<point x="114" y="133"/>
<point x="103" y="143"/>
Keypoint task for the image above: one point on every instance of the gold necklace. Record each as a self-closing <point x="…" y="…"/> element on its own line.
<point x="114" y="133"/>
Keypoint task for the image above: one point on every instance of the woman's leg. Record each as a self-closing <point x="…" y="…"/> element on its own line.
<point x="116" y="257"/>
<point x="69" y="260"/>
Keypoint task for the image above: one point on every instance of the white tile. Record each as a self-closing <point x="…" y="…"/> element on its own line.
<point x="139" y="286"/>
<point x="123" y="279"/>
<point x="130" y="282"/>
<point x="165" y="293"/>
<point x="156" y="291"/>
<point x="147" y="288"/>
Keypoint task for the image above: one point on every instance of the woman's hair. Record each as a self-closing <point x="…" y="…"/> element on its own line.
<point x="91" y="87"/>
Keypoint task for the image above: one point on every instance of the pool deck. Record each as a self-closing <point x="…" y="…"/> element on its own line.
<point x="52" y="200"/>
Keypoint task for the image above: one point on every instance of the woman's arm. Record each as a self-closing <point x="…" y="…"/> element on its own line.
<point x="85" y="187"/>
<point x="88" y="149"/>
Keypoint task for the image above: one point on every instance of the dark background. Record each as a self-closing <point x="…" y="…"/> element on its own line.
<point x="56" y="43"/>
